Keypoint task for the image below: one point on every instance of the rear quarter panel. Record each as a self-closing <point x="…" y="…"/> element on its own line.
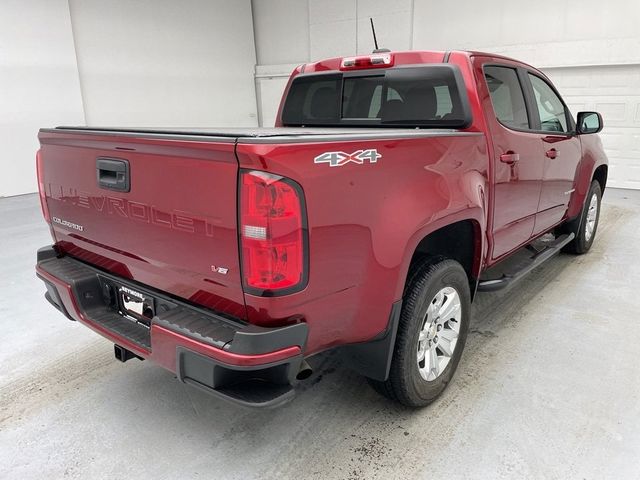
<point x="365" y="221"/>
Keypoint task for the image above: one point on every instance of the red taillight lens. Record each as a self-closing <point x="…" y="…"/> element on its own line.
<point x="273" y="233"/>
<point x="41" y="188"/>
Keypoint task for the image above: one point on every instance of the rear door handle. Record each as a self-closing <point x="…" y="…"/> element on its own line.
<point x="509" y="157"/>
<point x="553" y="153"/>
<point x="113" y="174"/>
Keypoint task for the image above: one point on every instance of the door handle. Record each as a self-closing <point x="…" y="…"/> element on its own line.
<point x="113" y="174"/>
<point x="553" y="153"/>
<point x="509" y="157"/>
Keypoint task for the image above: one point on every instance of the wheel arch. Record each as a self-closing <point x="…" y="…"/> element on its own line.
<point x="600" y="174"/>
<point x="460" y="240"/>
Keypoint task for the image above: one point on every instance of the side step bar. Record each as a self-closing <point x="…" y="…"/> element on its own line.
<point x="538" y="258"/>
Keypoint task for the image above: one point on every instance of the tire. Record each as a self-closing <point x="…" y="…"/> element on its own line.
<point x="586" y="225"/>
<point x="411" y="382"/>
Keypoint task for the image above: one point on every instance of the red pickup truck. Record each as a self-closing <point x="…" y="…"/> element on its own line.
<point x="365" y="221"/>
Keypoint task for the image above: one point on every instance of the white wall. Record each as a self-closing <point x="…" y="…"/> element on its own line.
<point x="282" y="31"/>
<point x="282" y="40"/>
<point x="545" y="33"/>
<point x="38" y="84"/>
<point x="166" y="63"/>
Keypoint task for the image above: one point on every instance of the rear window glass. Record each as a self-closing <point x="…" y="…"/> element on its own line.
<point x="431" y="96"/>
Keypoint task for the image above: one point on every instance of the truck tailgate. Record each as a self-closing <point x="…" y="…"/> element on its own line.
<point x="159" y="211"/>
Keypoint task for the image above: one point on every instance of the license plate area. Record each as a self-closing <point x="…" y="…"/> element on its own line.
<point x="132" y="304"/>
<point x="136" y="306"/>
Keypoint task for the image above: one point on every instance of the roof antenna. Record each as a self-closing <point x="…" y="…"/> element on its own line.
<point x="375" y="40"/>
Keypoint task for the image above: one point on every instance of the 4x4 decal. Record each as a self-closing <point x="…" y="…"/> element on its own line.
<point x="338" y="159"/>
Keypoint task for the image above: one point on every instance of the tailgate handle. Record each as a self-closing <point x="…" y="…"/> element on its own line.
<point x="113" y="174"/>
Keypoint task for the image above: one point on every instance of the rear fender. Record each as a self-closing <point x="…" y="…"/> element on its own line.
<point x="475" y="215"/>
<point x="373" y="358"/>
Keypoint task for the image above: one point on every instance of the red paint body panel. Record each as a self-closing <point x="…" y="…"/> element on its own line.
<point x="178" y="220"/>
<point x="364" y="220"/>
<point x="533" y="195"/>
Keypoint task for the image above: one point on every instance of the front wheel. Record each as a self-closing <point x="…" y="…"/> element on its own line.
<point x="584" y="228"/>
<point x="431" y="333"/>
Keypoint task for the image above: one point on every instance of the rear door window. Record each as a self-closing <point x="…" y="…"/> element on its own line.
<point x="507" y="96"/>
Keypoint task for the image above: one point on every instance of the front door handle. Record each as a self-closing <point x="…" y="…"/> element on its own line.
<point x="553" y="153"/>
<point x="509" y="157"/>
<point x="113" y="174"/>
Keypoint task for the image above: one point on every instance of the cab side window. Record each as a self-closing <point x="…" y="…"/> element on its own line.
<point x="507" y="97"/>
<point x="551" y="110"/>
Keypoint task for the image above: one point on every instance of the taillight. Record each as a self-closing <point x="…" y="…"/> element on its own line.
<point x="41" y="189"/>
<point x="273" y="234"/>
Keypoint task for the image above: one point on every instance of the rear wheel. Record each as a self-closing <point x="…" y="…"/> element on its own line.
<point x="585" y="226"/>
<point x="431" y="333"/>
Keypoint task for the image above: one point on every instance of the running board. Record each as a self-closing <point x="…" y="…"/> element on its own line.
<point x="539" y="257"/>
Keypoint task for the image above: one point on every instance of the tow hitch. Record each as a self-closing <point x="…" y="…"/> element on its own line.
<point x="123" y="354"/>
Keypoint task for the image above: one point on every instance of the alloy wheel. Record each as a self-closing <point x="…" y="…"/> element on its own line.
<point x="439" y="334"/>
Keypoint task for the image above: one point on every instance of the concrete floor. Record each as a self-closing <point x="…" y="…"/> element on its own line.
<point x="548" y="387"/>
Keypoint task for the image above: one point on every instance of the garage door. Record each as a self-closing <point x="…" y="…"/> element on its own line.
<point x="614" y="91"/>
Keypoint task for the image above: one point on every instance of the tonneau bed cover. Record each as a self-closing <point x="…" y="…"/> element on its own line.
<point x="263" y="134"/>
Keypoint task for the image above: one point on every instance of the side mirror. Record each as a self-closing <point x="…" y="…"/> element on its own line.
<point x="589" y="122"/>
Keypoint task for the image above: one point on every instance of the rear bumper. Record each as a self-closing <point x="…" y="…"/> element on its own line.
<point x="229" y="358"/>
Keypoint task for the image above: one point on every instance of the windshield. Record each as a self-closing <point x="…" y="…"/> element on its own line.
<point x="416" y="96"/>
